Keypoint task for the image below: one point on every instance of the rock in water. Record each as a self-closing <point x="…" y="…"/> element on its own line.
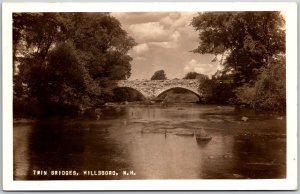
<point x="238" y="176"/>
<point x="227" y="155"/>
<point x="244" y="119"/>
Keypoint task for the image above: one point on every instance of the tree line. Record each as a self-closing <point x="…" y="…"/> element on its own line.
<point x="250" y="46"/>
<point x="64" y="62"/>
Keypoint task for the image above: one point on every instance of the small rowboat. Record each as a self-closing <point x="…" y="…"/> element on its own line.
<point x="202" y="136"/>
<point x="207" y="138"/>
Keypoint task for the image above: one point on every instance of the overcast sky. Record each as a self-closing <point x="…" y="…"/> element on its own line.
<point x="164" y="41"/>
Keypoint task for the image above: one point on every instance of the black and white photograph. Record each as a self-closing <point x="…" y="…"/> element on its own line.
<point x="149" y="95"/>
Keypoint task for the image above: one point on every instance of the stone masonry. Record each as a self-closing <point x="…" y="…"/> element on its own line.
<point x="151" y="89"/>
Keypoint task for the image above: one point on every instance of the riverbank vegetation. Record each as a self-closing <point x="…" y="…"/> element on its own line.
<point x="250" y="47"/>
<point x="63" y="62"/>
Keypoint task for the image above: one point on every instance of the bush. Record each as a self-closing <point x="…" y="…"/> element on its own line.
<point x="215" y="91"/>
<point x="126" y="94"/>
<point x="159" y="75"/>
<point x="268" y="92"/>
<point x="24" y="108"/>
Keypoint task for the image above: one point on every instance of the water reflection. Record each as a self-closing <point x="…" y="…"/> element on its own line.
<point x="155" y="143"/>
<point x="261" y="157"/>
<point x="21" y="151"/>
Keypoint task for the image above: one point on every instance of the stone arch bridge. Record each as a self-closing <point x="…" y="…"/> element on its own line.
<point x="151" y="89"/>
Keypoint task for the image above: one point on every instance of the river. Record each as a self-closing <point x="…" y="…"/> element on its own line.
<point x="153" y="142"/>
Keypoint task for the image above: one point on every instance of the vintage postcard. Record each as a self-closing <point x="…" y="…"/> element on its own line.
<point x="149" y="96"/>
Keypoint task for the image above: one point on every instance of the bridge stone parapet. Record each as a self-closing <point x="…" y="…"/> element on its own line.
<point x="151" y="89"/>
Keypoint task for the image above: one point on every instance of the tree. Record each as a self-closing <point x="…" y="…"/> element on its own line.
<point x="67" y="79"/>
<point x="215" y="91"/>
<point x="68" y="58"/>
<point x="195" y="75"/>
<point x="103" y="44"/>
<point x="126" y="94"/>
<point x="33" y="36"/>
<point x="159" y="75"/>
<point x="268" y="92"/>
<point x="243" y="41"/>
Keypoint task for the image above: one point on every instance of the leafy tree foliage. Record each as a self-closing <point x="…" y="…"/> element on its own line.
<point x="68" y="58"/>
<point x="195" y="75"/>
<point x="268" y="92"/>
<point x="103" y="44"/>
<point x="159" y="75"/>
<point x="67" y="79"/>
<point x="216" y="91"/>
<point x="33" y="36"/>
<point x="251" y="49"/>
<point x="243" y="41"/>
<point x="127" y="94"/>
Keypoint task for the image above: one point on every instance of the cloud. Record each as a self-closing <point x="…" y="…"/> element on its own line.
<point x="140" y="48"/>
<point x="156" y="37"/>
<point x="162" y="28"/>
<point x="138" y="17"/>
<point x="164" y="44"/>
<point x="204" y="68"/>
<point x="177" y="20"/>
<point x="139" y="58"/>
<point x="164" y="41"/>
<point x="175" y="36"/>
<point x="148" y="32"/>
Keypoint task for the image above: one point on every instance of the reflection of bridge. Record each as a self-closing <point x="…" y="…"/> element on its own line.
<point x="151" y="89"/>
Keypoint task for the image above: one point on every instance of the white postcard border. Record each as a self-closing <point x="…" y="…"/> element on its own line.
<point x="289" y="183"/>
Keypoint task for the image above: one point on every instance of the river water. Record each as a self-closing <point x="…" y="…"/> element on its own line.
<point x="153" y="142"/>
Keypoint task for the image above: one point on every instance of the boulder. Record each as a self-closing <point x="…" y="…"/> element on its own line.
<point x="244" y="118"/>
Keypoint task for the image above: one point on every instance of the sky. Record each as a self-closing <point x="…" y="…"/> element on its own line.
<point x="164" y="41"/>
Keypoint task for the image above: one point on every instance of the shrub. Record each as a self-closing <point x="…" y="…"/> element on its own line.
<point x="268" y="92"/>
<point x="215" y="91"/>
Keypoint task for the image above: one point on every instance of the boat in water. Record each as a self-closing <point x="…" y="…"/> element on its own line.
<point x="202" y="136"/>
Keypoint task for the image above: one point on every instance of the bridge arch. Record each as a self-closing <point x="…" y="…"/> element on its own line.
<point x="165" y="90"/>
